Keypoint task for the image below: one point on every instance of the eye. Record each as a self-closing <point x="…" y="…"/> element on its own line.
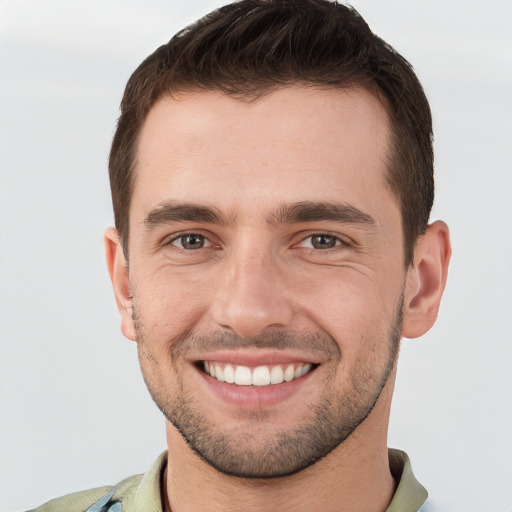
<point x="191" y="241"/>
<point x="321" y="241"/>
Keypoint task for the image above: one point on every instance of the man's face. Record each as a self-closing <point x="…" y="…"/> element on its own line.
<point x="266" y="249"/>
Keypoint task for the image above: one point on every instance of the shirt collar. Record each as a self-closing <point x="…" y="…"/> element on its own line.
<point x="408" y="497"/>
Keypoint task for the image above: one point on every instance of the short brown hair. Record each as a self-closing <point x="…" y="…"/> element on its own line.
<point x="251" y="47"/>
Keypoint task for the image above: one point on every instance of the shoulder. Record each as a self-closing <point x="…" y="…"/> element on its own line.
<point x="135" y="493"/>
<point x="100" y="499"/>
<point x="75" y="502"/>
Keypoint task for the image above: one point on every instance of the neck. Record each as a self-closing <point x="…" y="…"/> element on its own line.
<point x="355" y="477"/>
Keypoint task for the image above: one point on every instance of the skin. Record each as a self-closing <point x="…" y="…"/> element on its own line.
<point x="254" y="289"/>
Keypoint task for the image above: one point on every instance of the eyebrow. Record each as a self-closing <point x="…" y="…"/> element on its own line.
<point x="308" y="211"/>
<point x="304" y="211"/>
<point x="170" y="211"/>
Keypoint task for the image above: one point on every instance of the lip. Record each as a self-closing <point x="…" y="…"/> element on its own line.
<point x="257" y="357"/>
<point x="253" y="397"/>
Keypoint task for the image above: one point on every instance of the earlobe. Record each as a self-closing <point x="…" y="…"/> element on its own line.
<point x="118" y="270"/>
<point x="426" y="280"/>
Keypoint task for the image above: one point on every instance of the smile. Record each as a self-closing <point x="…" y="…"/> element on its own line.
<point x="258" y="376"/>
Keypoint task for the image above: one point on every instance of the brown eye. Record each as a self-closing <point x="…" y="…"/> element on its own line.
<point x="323" y="241"/>
<point x="190" y="241"/>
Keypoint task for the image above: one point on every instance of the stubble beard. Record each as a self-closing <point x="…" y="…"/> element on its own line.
<point x="261" y="450"/>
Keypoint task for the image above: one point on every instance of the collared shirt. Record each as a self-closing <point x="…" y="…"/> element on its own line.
<point x="143" y="493"/>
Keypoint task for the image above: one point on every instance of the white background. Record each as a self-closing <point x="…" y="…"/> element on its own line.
<point x="74" y="410"/>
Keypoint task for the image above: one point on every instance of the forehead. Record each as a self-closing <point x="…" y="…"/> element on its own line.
<point x="293" y="144"/>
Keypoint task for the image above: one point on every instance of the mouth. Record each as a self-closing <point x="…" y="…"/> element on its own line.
<point x="258" y="376"/>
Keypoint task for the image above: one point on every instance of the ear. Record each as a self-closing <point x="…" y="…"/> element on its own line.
<point x="426" y="280"/>
<point x="118" y="270"/>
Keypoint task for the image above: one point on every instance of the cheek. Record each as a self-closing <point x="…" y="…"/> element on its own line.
<point x="356" y="310"/>
<point x="167" y="304"/>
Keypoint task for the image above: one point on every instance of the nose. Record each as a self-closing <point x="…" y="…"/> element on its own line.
<point x="251" y="294"/>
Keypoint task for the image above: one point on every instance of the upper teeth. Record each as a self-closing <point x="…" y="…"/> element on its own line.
<point x="259" y="376"/>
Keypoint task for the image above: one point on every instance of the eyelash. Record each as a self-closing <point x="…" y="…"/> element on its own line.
<point x="189" y="234"/>
<point x="338" y="242"/>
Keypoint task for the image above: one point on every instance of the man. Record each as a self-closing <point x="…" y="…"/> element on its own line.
<point x="272" y="179"/>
